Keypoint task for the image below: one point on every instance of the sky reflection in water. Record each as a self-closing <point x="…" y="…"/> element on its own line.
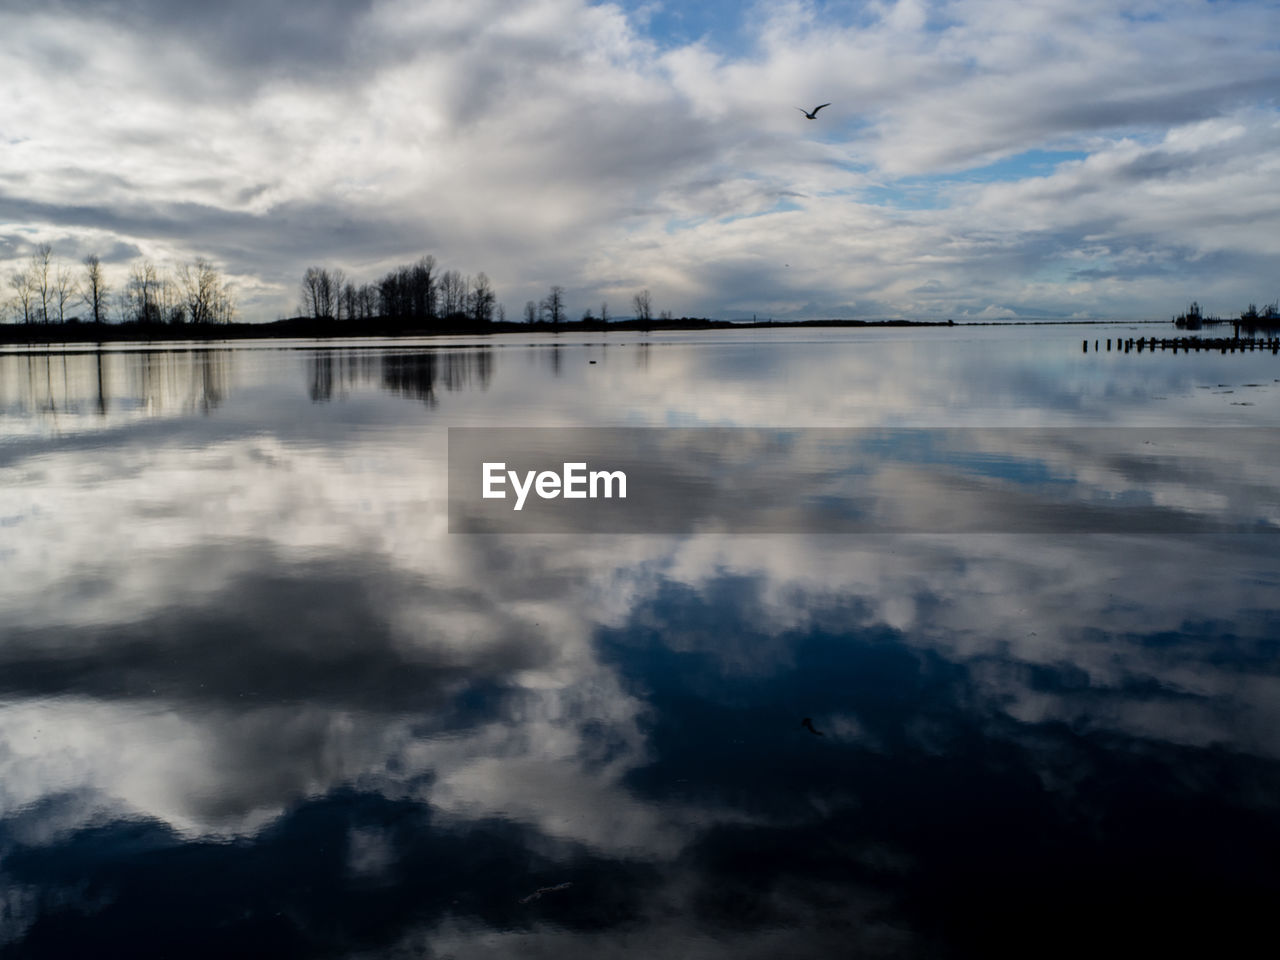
<point x="255" y="698"/>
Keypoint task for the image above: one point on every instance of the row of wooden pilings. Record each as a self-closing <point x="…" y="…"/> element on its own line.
<point x="1221" y="344"/>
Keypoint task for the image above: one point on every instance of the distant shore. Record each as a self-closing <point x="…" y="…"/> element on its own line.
<point x="308" y="328"/>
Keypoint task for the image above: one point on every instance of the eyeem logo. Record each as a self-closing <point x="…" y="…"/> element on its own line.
<point x="572" y="483"/>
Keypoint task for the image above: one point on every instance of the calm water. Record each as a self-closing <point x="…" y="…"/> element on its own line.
<point x="255" y="700"/>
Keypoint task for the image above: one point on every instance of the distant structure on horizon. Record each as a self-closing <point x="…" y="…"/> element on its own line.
<point x="1251" y="318"/>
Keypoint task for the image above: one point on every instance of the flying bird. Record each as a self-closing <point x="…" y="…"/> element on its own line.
<point x="814" y="114"/>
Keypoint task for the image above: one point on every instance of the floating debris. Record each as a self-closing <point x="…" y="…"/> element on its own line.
<point x="537" y="894"/>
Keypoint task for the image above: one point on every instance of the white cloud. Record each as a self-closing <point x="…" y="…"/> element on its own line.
<point x="555" y="141"/>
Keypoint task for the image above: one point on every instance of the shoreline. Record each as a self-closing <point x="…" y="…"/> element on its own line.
<point x="299" y="328"/>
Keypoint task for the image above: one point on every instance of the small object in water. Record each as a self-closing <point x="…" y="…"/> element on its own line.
<point x="590" y="361"/>
<point x="814" y="114"/>
<point x="807" y="723"/>
<point x="537" y="894"/>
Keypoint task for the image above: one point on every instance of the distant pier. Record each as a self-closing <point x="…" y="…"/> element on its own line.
<point x="1189" y="344"/>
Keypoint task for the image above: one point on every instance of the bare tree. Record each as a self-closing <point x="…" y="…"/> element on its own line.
<point x="202" y="289"/>
<point x="453" y="293"/>
<point x="390" y="298"/>
<point x="95" y="292"/>
<point x="309" y="302"/>
<point x="604" y="311"/>
<point x="422" y="288"/>
<point x="481" y="299"/>
<point x="337" y="280"/>
<point x="64" y="291"/>
<point x="530" y="311"/>
<point x="172" y="308"/>
<point x="40" y="264"/>
<point x="588" y="316"/>
<point x="553" y="304"/>
<point x="224" y="304"/>
<point x="643" y="306"/>
<point x="324" y="294"/>
<point x="144" y="289"/>
<point x="24" y="294"/>
<point x="124" y="305"/>
<point x="502" y="313"/>
<point x="368" y="300"/>
<point x="350" y="301"/>
<point x="320" y="293"/>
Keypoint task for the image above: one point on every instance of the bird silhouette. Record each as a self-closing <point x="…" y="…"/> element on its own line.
<point x="807" y="723"/>
<point x="814" y="114"/>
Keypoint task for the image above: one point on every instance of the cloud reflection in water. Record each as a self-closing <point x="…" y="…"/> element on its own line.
<point x="252" y="692"/>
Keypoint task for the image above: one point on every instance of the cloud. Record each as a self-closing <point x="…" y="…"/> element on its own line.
<point x="558" y="141"/>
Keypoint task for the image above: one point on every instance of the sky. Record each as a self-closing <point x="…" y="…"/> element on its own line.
<point x="980" y="159"/>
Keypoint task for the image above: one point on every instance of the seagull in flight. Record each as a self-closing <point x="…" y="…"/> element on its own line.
<point x="814" y="114"/>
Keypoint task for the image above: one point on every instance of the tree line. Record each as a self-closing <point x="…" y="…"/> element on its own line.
<point x="424" y="293"/>
<point x="418" y="291"/>
<point x="551" y="309"/>
<point x="46" y="290"/>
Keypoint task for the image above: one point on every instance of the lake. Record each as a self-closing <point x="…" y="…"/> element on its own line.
<point x="256" y="699"/>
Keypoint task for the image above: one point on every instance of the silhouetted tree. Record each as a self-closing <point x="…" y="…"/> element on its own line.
<point x="24" y="294"/>
<point x="332" y="282"/>
<point x="481" y="299"/>
<point x="321" y="293"/>
<point x="204" y="293"/>
<point x="588" y="316"/>
<point x="389" y="301"/>
<point x="224" y="307"/>
<point x="94" y="292"/>
<point x="172" y="308"/>
<point x="413" y="291"/>
<point x="40" y="266"/>
<point x="368" y="294"/>
<point x="604" y="311"/>
<point x="350" y="302"/>
<point x="643" y="306"/>
<point x="453" y="294"/>
<point x="309" y="300"/>
<point x="124" y="305"/>
<point x="144" y="290"/>
<point x="530" y="311"/>
<point x="64" y="291"/>
<point x="553" y="304"/>
<point x="422" y="288"/>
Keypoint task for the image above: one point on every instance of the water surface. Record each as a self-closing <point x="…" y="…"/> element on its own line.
<point x="255" y="699"/>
